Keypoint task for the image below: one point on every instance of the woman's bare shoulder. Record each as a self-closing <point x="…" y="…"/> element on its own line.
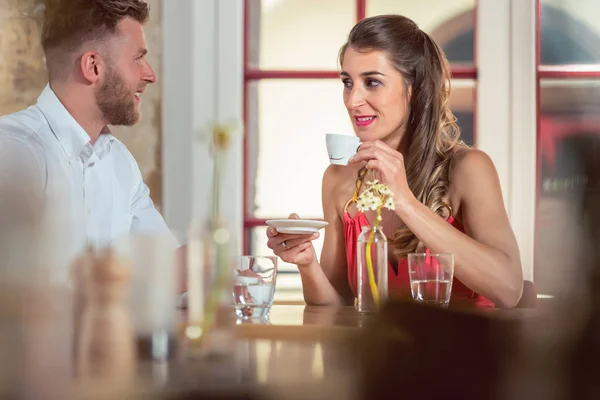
<point x="470" y="165"/>
<point x="339" y="183"/>
<point x="336" y="175"/>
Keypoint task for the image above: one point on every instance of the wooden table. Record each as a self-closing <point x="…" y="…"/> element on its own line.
<point x="300" y="352"/>
<point x="297" y="352"/>
<point x="304" y="323"/>
<point x="298" y="346"/>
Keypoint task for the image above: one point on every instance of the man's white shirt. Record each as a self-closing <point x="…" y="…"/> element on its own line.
<point x="96" y="192"/>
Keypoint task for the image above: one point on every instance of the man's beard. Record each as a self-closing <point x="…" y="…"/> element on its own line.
<point x="116" y="101"/>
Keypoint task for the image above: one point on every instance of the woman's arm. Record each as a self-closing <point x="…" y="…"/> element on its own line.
<point x="327" y="283"/>
<point x="487" y="257"/>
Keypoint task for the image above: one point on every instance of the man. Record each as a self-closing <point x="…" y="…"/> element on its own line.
<point x="61" y="149"/>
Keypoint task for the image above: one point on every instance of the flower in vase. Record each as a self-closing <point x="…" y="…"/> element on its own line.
<point x="375" y="197"/>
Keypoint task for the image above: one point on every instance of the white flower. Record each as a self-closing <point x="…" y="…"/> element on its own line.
<point x="389" y="204"/>
<point x="361" y="205"/>
<point x="385" y="190"/>
<point x="375" y="203"/>
<point x="375" y="196"/>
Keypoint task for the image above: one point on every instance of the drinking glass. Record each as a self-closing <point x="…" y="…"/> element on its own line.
<point x="431" y="277"/>
<point x="254" y="279"/>
<point x="153" y="294"/>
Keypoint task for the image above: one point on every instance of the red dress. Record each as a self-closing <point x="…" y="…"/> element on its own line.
<point x="399" y="283"/>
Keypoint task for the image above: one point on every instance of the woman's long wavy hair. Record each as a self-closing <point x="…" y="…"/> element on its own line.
<point x="431" y="133"/>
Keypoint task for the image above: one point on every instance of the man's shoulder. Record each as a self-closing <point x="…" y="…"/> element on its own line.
<point x="123" y="159"/>
<point x="21" y="145"/>
<point x="24" y="126"/>
<point x="121" y="150"/>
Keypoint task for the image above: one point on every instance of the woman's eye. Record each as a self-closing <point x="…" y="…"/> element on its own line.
<point x="372" y="83"/>
<point x="347" y="83"/>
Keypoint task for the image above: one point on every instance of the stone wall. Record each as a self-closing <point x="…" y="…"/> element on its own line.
<point x="23" y="76"/>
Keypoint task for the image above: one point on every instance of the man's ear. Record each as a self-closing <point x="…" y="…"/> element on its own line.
<point x="90" y="65"/>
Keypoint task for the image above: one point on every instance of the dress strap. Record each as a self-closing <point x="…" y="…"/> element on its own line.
<point x="355" y="195"/>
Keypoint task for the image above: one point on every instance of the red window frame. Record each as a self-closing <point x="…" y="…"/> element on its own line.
<point x="253" y="74"/>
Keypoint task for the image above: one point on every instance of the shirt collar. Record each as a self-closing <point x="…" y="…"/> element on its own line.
<point x="104" y="143"/>
<point x="71" y="136"/>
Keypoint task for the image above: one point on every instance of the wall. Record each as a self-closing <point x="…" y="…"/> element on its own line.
<point x="202" y="86"/>
<point x="23" y="76"/>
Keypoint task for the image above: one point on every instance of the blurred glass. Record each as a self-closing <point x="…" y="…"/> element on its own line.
<point x="153" y="297"/>
<point x="568" y="151"/>
<point x="298" y="34"/>
<point x="450" y="23"/>
<point x="570" y="33"/>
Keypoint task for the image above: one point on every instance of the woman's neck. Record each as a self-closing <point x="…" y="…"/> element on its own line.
<point x="396" y="140"/>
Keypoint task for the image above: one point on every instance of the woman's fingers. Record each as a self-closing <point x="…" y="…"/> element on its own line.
<point x="387" y="171"/>
<point x="271" y="232"/>
<point x="292" y="255"/>
<point x="377" y="150"/>
<point x="291" y="248"/>
<point x="276" y="243"/>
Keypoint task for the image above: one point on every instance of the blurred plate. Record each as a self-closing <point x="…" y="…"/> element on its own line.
<point x="297" y="226"/>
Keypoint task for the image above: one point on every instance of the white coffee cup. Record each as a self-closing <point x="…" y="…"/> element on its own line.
<point x="341" y="147"/>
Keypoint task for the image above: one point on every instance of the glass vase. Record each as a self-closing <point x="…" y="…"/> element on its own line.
<point x="211" y="319"/>
<point x="372" y="269"/>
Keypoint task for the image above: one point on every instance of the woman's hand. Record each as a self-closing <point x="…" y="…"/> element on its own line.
<point x="389" y="164"/>
<point x="294" y="249"/>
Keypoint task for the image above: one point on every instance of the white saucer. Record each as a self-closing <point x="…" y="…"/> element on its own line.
<point x="297" y="226"/>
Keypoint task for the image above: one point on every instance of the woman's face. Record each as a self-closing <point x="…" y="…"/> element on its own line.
<point x="375" y="95"/>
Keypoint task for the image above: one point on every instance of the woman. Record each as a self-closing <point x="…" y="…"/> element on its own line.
<point x="447" y="196"/>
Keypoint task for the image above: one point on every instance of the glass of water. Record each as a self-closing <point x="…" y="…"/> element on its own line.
<point x="254" y="279"/>
<point x="431" y="277"/>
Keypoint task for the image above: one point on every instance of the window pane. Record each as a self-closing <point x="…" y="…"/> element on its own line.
<point x="293" y="118"/>
<point x="570" y="32"/>
<point x="450" y="23"/>
<point x="569" y="149"/>
<point x="287" y="162"/>
<point x="463" y="106"/>
<point x="299" y="34"/>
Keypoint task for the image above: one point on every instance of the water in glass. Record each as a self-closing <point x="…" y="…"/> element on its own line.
<point x="430" y="291"/>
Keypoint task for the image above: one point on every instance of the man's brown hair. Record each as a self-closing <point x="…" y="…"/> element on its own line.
<point x="68" y="24"/>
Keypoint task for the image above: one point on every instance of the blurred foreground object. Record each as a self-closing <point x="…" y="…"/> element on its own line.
<point x="104" y="335"/>
<point x="210" y="304"/>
